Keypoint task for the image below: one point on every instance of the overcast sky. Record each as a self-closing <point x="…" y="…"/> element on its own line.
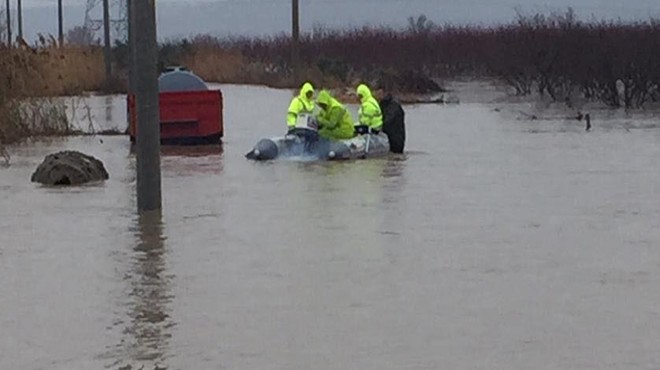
<point x="260" y="17"/>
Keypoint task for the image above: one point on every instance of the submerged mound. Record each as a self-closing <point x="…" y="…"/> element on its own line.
<point x="69" y="168"/>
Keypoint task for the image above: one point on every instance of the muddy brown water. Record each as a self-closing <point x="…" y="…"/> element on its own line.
<point x="493" y="243"/>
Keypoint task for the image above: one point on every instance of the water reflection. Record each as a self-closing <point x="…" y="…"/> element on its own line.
<point x="394" y="166"/>
<point x="187" y="150"/>
<point x="359" y="199"/>
<point x="191" y="151"/>
<point x="146" y="336"/>
<point x="393" y="180"/>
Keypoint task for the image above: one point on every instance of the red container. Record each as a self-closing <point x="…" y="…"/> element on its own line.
<point x="186" y="117"/>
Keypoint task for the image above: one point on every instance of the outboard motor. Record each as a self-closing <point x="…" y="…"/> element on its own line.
<point x="306" y="128"/>
<point x="306" y="133"/>
<point x="301" y="140"/>
<point x="393" y="123"/>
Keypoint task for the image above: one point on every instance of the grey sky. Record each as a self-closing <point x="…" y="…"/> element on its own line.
<point x="258" y="17"/>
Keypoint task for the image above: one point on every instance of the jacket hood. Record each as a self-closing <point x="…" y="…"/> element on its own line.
<point x="364" y="91"/>
<point x="324" y="98"/>
<point x="307" y="87"/>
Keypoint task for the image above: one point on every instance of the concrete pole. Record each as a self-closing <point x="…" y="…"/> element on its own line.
<point x="60" y="23"/>
<point x="107" y="51"/>
<point x="8" y="10"/>
<point x="148" y="114"/>
<point x="19" y="10"/>
<point x="295" y="36"/>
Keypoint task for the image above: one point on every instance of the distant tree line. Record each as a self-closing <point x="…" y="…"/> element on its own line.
<point x="555" y="55"/>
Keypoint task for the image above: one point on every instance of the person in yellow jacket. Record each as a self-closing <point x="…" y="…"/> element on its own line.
<point x="369" y="113"/>
<point x="334" y="120"/>
<point x="303" y="103"/>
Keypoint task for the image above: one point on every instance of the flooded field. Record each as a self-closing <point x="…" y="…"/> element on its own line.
<point x="495" y="242"/>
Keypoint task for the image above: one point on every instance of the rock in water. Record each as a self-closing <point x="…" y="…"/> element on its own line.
<point x="69" y="168"/>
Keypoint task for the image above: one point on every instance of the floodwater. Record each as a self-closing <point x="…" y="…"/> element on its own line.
<point x="493" y="243"/>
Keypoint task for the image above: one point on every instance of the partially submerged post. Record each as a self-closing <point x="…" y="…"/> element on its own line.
<point x="147" y="107"/>
<point x="588" y="118"/>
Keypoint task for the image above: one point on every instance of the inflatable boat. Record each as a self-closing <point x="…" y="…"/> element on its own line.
<point x="303" y="141"/>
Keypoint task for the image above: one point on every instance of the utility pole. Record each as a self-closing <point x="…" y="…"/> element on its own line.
<point x="130" y="11"/>
<point x="148" y="114"/>
<point x="19" y="10"/>
<point x="60" y="24"/>
<point x="107" y="51"/>
<point x="8" y="10"/>
<point x="295" y="34"/>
